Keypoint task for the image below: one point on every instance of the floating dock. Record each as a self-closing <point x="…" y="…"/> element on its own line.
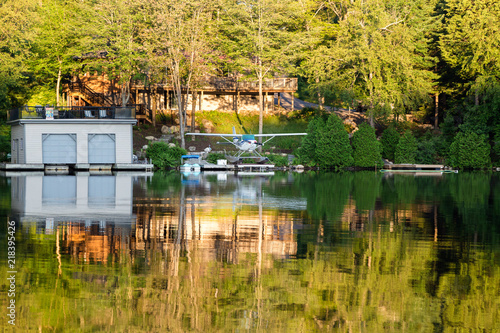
<point x="65" y="169"/>
<point x="409" y="167"/>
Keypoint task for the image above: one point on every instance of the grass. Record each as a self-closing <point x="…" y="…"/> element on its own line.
<point x="249" y="124"/>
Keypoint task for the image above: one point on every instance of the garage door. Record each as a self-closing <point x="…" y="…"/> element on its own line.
<point x="102" y="148"/>
<point x="59" y="148"/>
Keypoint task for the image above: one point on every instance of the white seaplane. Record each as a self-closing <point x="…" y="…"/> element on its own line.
<point x="245" y="143"/>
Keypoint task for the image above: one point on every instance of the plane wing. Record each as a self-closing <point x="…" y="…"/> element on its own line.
<point x="239" y="135"/>
<point x="279" y="134"/>
<point x="216" y="134"/>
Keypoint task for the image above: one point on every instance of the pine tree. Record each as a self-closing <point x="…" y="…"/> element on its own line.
<point x="389" y="141"/>
<point x="406" y="149"/>
<point x="469" y="150"/>
<point x="307" y="152"/>
<point x="366" y="147"/>
<point x="333" y="149"/>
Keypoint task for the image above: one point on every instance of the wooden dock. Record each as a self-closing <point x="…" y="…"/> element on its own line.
<point x="413" y="166"/>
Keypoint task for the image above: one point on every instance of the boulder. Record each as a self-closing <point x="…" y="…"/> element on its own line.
<point x="150" y="138"/>
<point x="207" y="125"/>
<point x="165" y="129"/>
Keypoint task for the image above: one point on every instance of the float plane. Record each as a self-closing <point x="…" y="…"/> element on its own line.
<point x="245" y="143"/>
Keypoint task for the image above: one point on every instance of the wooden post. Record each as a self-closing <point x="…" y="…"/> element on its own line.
<point x="279" y="100"/>
<point x="194" y="95"/>
<point x="237" y="101"/>
<point x="265" y="102"/>
<point x="201" y="101"/>
<point x="154" y="107"/>
<point x="293" y="101"/>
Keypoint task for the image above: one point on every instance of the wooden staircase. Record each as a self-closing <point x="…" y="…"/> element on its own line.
<point x="89" y="95"/>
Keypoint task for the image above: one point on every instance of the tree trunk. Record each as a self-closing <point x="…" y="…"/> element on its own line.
<point x="58" y="86"/>
<point x="193" y="111"/>
<point x="153" y="116"/>
<point x="436" y="111"/>
<point x="261" y="112"/>
<point x="372" y="122"/>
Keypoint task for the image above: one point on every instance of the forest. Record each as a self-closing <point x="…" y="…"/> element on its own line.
<point x="436" y="60"/>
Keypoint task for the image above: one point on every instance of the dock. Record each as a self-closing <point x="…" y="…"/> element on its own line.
<point x="408" y="167"/>
<point x="65" y="168"/>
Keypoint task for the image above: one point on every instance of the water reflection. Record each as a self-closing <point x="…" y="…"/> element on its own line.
<point x="278" y="252"/>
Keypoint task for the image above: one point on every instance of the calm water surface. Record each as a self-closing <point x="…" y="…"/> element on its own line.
<point x="350" y="252"/>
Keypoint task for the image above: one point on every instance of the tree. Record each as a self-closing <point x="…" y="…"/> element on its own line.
<point x="389" y="141"/>
<point x="375" y="52"/>
<point x="470" y="45"/>
<point x="17" y="18"/>
<point x="258" y="36"/>
<point x="469" y="150"/>
<point x="116" y="26"/>
<point x="307" y="152"/>
<point x="59" y="38"/>
<point x="178" y="39"/>
<point x="366" y="147"/>
<point x="333" y="149"/>
<point x="406" y="149"/>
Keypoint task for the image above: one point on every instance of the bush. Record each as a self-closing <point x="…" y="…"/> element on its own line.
<point x="406" y="149"/>
<point x="307" y="152"/>
<point x="389" y="142"/>
<point x="469" y="150"/>
<point x="162" y="156"/>
<point x="278" y="160"/>
<point x="213" y="157"/>
<point x="333" y="149"/>
<point x="366" y="147"/>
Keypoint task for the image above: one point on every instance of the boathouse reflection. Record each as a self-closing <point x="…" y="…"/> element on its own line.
<point x="97" y="218"/>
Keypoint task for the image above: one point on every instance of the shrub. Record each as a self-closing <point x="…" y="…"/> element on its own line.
<point x="278" y="160"/>
<point x="307" y="151"/>
<point x="333" y="149"/>
<point x="162" y="156"/>
<point x="389" y="142"/>
<point x="469" y="150"/>
<point x="366" y="147"/>
<point x="406" y="149"/>
<point x="213" y="157"/>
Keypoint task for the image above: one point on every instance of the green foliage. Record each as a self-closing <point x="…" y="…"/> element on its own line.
<point x="389" y="141"/>
<point x="333" y="149"/>
<point x="213" y="157"/>
<point x="278" y="160"/>
<point x="307" y="151"/>
<point x="4" y="142"/>
<point x="406" y="149"/>
<point x="366" y="147"/>
<point x="469" y="150"/>
<point x="163" y="156"/>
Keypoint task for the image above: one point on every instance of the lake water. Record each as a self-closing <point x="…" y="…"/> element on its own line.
<point x="351" y="252"/>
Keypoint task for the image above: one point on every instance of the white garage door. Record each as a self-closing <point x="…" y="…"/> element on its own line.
<point x="59" y="148"/>
<point x="102" y="148"/>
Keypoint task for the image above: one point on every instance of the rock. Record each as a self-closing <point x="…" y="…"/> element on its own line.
<point x="192" y="148"/>
<point x="150" y="138"/>
<point x="207" y="125"/>
<point x="144" y="147"/>
<point x="165" y="138"/>
<point x="165" y="129"/>
<point x="174" y="129"/>
<point x="171" y="145"/>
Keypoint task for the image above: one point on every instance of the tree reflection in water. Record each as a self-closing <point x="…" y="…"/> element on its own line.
<point x="314" y="251"/>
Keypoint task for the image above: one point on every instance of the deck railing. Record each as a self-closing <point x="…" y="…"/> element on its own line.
<point x="74" y="112"/>
<point x="233" y="83"/>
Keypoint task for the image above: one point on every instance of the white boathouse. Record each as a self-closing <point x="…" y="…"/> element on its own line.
<point x="74" y="137"/>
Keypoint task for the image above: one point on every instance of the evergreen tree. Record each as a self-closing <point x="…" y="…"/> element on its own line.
<point x="333" y="149"/>
<point x="307" y="152"/>
<point x="469" y="150"/>
<point x="406" y="149"/>
<point x="389" y="141"/>
<point x="366" y="147"/>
